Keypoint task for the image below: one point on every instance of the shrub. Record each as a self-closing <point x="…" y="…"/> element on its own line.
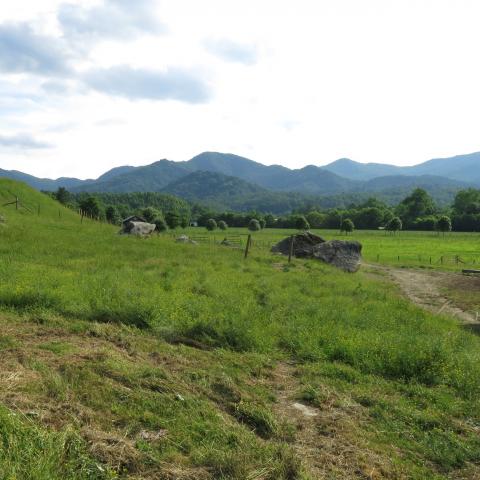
<point x="347" y="226"/>
<point x="149" y="214"/>
<point x="111" y="215"/>
<point x="172" y="219"/>
<point x="444" y="224"/>
<point x="160" y="224"/>
<point x="254" y="225"/>
<point x="90" y="206"/>
<point x="425" y="223"/>
<point x="301" y="223"/>
<point x="315" y="219"/>
<point x="394" y="225"/>
<point x="222" y="225"/>
<point x="211" y="224"/>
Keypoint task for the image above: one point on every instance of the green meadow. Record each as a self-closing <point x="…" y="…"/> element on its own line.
<point x="143" y="358"/>
<point x="405" y="248"/>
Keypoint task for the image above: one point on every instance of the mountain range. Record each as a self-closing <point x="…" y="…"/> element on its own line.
<point x="222" y="179"/>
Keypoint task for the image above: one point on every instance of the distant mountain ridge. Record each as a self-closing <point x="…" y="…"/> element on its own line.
<point x="221" y="178"/>
<point x="464" y="168"/>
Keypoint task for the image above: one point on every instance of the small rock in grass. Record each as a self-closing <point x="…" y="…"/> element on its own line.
<point x="185" y="239"/>
<point x="152" y="436"/>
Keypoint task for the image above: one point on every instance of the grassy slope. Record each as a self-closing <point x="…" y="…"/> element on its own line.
<point x="145" y="359"/>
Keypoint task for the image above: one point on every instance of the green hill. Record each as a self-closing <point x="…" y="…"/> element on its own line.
<point x="137" y="358"/>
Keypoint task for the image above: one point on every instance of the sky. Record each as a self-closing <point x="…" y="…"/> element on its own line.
<point x="89" y="85"/>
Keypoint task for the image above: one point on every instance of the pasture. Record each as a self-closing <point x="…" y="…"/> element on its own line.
<point x="405" y="248"/>
<point x="142" y="358"/>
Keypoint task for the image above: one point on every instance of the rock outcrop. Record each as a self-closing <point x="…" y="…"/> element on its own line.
<point x="343" y="254"/>
<point x="137" y="228"/>
<point x="303" y="244"/>
<point x="346" y="255"/>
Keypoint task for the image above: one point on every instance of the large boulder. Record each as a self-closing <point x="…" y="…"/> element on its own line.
<point x="138" y="228"/>
<point x="303" y="244"/>
<point x="340" y="253"/>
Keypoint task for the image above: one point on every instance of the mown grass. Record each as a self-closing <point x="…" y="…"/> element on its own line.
<point x="28" y="451"/>
<point x="136" y="334"/>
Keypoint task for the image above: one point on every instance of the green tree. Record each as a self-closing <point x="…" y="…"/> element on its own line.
<point x="254" y="225"/>
<point x="63" y="195"/>
<point x="150" y="214"/>
<point x="270" y="220"/>
<point x="172" y="219"/>
<point x="90" y="206"/>
<point x="315" y="219"/>
<point x="263" y="223"/>
<point x="394" y="225"/>
<point x="112" y="215"/>
<point x="347" y="226"/>
<point x="369" y="217"/>
<point x="222" y="225"/>
<point x="211" y="224"/>
<point x="301" y="223"/>
<point x="418" y="204"/>
<point x="467" y="201"/>
<point x="444" y="224"/>
<point x="160" y="224"/>
<point x="184" y="222"/>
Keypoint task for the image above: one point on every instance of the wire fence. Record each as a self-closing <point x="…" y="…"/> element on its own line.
<point x="421" y="259"/>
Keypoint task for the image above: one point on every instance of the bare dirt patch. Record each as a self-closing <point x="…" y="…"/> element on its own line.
<point x="437" y="292"/>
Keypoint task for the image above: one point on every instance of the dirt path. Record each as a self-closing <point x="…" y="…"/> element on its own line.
<point x="325" y="436"/>
<point x="428" y="290"/>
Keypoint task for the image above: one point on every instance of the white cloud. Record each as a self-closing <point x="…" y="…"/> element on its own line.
<point x="141" y="84"/>
<point x="377" y="80"/>
<point x="232" y="51"/>
<point x="118" y="19"/>
<point x="22" y="141"/>
<point x="23" y="50"/>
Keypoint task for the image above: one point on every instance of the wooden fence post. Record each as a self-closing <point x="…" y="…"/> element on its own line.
<point x="248" y="245"/>
<point x="290" y="252"/>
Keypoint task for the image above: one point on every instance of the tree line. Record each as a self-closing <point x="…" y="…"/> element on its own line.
<point x="417" y="211"/>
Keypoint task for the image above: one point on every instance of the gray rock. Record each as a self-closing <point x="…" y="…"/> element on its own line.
<point x="185" y="239"/>
<point x="302" y="246"/>
<point x="137" y="228"/>
<point x="340" y="253"/>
